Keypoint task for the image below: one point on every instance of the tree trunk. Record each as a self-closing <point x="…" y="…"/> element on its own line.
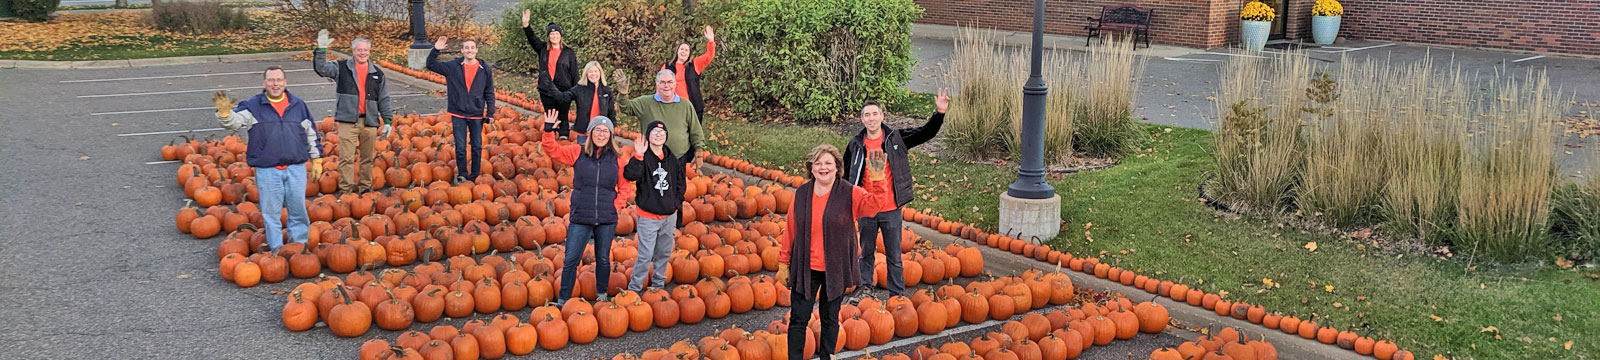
<point x="688" y="6"/>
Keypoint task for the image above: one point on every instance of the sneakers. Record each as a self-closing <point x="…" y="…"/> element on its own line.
<point x="602" y="298"/>
<point x="458" y="180"/>
<point x="861" y="293"/>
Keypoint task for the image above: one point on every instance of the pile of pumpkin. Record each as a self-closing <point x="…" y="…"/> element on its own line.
<point x="1308" y="329"/>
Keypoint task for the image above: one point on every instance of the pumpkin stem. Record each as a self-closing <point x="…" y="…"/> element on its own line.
<point x="342" y="293"/>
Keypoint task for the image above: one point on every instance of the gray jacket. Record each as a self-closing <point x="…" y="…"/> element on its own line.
<point x="342" y="72"/>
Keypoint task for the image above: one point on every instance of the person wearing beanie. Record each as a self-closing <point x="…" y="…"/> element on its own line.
<point x="596" y="199"/>
<point x="659" y="184"/>
<point x="592" y="97"/>
<point x="559" y="64"/>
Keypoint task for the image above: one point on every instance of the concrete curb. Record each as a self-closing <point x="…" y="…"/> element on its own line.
<point x="1002" y="263"/>
<point x="134" y="63"/>
<point x="1024" y="40"/>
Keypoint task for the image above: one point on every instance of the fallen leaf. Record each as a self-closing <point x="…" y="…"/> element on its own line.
<point x="1311" y="246"/>
<point x="1435" y="318"/>
<point x="1563" y="263"/>
<point x="183" y="276"/>
<point x="1557" y="318"/>
<point x="1567" y="345"/>
<point x="1328" y="288"/>
<point x="1489" y="329"/>
<point x="85" y="157"/>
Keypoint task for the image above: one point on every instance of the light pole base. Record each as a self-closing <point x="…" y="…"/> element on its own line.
<point x="1033" y="220"/>
<point x="416" y="59"/>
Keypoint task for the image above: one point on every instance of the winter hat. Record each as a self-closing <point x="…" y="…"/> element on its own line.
<point x="653" y="126"/>
<point x="552" y="28"/>
<point x="600" y="120"/>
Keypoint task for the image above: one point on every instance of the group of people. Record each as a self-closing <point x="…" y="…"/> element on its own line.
<point x="852" y="198"/>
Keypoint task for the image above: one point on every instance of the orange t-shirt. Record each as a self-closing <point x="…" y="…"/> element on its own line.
<point x="594" y="104"/>
<point x="279" y="104"/>
<point x="886" y="201"/>
<point x="818" y="204"/>
<point x="361" y="87"/>
<point x="555" y="55"/>
<point x="471" y="70"/>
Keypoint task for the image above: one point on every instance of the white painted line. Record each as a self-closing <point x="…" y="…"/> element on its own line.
<point x="1354" y="49"/>
<point x="214" y="108"/>
<point x="172" y="76"/>
<point x="171" y="132"/>
<point x="161" y="162"/>
<point x="1527" y="58"/>
<point x="1241" y="55"/>
<point x="923" y="339"/>
<point x="191" y="91"/>
<point x="1183" y="59"/>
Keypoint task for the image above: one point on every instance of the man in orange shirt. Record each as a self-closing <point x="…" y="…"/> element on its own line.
<point x="878" y="156"/>
<point x="361" y="86"/>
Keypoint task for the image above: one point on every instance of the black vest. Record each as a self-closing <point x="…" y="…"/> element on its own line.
<point x="594" y="188"/>
<point x="691" y="79"/>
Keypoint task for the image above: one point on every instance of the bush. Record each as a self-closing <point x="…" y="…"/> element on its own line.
<point x="814" y="58"/>
<point x="197" y="17"/>
<point x="34" y="10"/>
<point x="1575" y="221"/>
<point x="1109" y="129"/>
<point x="1258" y="143"/>
<point x="1509" y="171"/>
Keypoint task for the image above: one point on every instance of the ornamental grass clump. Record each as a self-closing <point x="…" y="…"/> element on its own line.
<point x="1258" y="144"/>
<point x="1509" y="171"/>
<point x="1425" y="117"/>
<point x="984" y="100"/>
<point x="1108" y="128"/>
<point x="1341" y="182"/>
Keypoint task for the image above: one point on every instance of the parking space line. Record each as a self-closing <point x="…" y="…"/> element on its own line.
<point x="1355" y="49"/>
<point x="171" y="132"/>
<point x="1527" y="58"/>
<point x="1183" y="59"/>
<point x="213" y="108"/>
<point x="173" y="76"/>
<point x="190" y="91"/>
<point x="160" y="162"/>
<point x="1240" y="55"/>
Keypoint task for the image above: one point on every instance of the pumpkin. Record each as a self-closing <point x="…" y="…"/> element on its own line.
<point x="1166" y="353"/>
<point x="246" y="274"/>
<point x="350" y="318"/>
<point x="521" y="339"/>
<point x="612" y="320"/>
<point x="974" y="308"/>
<point x="298" y="313"/>
<point x="1001" y="306"/>
<point x="372" y="349"/>
<point x="691" y="309"/>
<point x="905" y="320"/>
<point x="465" y="346"/>
<point x="1105" y="329"/>
<point x="880" y="325"/>
<point x="394" y="314"/>
<point x="1127" y="324"/>
<point x="857" y="333"/>
<point x="553" y="333"/>
<point x="666" y="313"/>
<point x="932" y="317"/>
<point x="1383" y="350"/>
<point x="1153" y="317"/>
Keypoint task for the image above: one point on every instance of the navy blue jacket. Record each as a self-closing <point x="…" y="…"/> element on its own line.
<point x="480" y="102"/>
<point x="275" y="140"/>
<point x="594" y="188"/>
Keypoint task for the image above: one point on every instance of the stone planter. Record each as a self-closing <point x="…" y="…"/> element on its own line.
<point x="1324" y="29"/>
<point x="1253" y="34"/>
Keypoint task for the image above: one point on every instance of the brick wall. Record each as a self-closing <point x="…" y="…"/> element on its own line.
<point x="1560" y="26"/>
<point x="1177" y="22"/>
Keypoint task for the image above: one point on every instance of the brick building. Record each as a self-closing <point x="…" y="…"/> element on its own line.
<point x="1560" y="26"/>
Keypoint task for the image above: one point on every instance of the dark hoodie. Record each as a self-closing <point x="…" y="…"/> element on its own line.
<point x="659" y="180"/>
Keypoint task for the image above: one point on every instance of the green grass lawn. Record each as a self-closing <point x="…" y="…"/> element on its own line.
<point x="139" y="47"/>
<point x="1143" y="215"/>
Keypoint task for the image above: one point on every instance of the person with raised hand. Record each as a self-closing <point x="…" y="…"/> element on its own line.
<point x="684" y="132"/>
<point x="595" y="198"/>
<point x="560" y="65"/>
<point x="592" y="97"/>
<point x="469" y="94"/>
<point x="360" y="86"/>
<point x="880" y="155"/>
<point x="687" y="71"/>
<point x="282" y="141"/>
<point x="819" y="246"/>
<point x="660" y="182"/>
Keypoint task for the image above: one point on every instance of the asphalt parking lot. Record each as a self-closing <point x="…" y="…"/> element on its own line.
<point x="91" y="266"/>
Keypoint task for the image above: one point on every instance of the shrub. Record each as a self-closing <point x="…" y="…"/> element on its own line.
<point x="1426" y="114"/>
<point x="1109" y="129"/>
<point x="983" y="98"/>
<point x="814" y="58"/>
<point x="197" y="17"/>
<point x="1258" y="143"/>
<point x="1064" y="105"/>
<point x="1509" y="171"/>
<point x="34" y="10"/>
<point x="637" y="36"/>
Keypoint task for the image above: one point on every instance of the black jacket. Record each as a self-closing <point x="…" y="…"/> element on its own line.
<point x="566" y="66"/>
<point x="659" y="181"/>
<point x="584" y="96"/>
<point x="896" y="143"/>
<point x="458" y="102"/>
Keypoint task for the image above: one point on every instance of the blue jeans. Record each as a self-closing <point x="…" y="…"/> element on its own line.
<point x="280" y="189"/>
<point x="460" y="129"/>
<point x="578" y="237"/>
<point x="889" y="223"/>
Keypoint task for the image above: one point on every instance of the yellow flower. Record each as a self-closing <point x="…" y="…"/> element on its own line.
<point x="1327" y="8"/>
<point x="1257" y="11"/>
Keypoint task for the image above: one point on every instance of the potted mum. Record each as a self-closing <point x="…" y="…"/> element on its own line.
<point x="1325" y="21"/>
<point x="1255" y="25"/>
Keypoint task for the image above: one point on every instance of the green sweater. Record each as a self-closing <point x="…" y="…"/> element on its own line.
<point x="683" y="126"/>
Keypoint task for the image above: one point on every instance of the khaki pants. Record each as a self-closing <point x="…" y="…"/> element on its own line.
<point x="353" y="137"/>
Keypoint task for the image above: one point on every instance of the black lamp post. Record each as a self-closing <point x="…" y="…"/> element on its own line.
<point x="419" y="27"/>
<point x="1030" y="182"/>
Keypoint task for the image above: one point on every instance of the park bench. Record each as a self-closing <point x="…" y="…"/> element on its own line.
<point x="1121" y="18"/>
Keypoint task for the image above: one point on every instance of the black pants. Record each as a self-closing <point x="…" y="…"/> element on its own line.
<point x="800" y="316"/>
<point x="563" y="127"/>
<point x="468" y="134"/>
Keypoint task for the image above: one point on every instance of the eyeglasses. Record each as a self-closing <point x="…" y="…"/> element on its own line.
<point x="601" y="130"/>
